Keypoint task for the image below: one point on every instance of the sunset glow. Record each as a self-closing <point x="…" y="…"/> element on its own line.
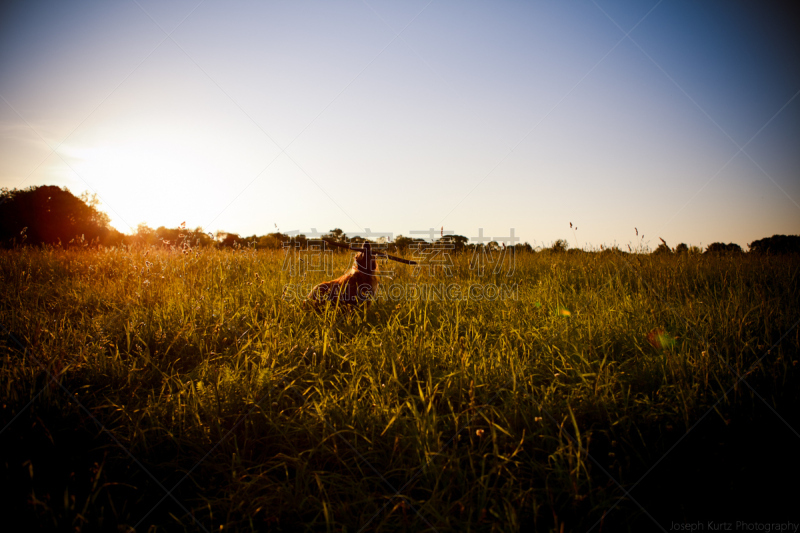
<point x="681" y="120"/>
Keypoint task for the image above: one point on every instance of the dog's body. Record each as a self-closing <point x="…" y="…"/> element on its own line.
<point x="358" y="285"/>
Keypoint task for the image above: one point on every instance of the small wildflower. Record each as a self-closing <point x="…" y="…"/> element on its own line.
<point x="537" y="419"/>
<point x="479" y="432"/>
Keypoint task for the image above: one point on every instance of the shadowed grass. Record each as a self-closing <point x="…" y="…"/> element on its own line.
<point x="410" y="415"/>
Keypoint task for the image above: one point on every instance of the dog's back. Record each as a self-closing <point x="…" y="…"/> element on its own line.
<point x="358" y="285"/>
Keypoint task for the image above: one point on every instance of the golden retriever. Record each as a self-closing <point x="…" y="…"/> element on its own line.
<point x="357" y="285"/>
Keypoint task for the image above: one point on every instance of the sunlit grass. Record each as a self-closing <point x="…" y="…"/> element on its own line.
<point x="410" y="414"/>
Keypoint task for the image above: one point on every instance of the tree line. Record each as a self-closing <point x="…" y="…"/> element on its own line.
<point x="49" y="215"/>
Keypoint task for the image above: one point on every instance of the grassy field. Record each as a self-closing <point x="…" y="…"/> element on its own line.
<point x="159" y="390"/>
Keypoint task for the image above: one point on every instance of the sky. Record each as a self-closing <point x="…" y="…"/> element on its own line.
<point x="676" y="119"/>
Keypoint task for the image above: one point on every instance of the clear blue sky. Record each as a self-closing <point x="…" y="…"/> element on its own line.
<point x="681" y="119"/>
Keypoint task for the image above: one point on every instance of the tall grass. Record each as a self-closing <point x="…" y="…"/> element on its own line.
<point x="154" y="389"/>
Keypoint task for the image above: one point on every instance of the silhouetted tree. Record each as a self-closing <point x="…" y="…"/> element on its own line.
<point x="231" y="240"/>
<point x="559" y="246"/>
<point x="337" y="235"/>
<point x="145" y="235"/>
<point x="177" y="238"/>
<point x="273" y="241"/>
<point x="300" y="240"/>
<point x="169" y="236"/>
<point x="776" y="245"/>
<point x="251" y="241"/>
<point x="48" y="214"/>
<point x="459" y="242"/>
<point x="662" y="249"/>
<point x="718" y="247"/>
<point x="198" y="237"/>
<point x="402" y="243"/>
<point x="682" y="248"/>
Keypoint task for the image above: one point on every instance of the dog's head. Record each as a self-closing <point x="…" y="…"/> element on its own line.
<point x="365" y="260"/>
